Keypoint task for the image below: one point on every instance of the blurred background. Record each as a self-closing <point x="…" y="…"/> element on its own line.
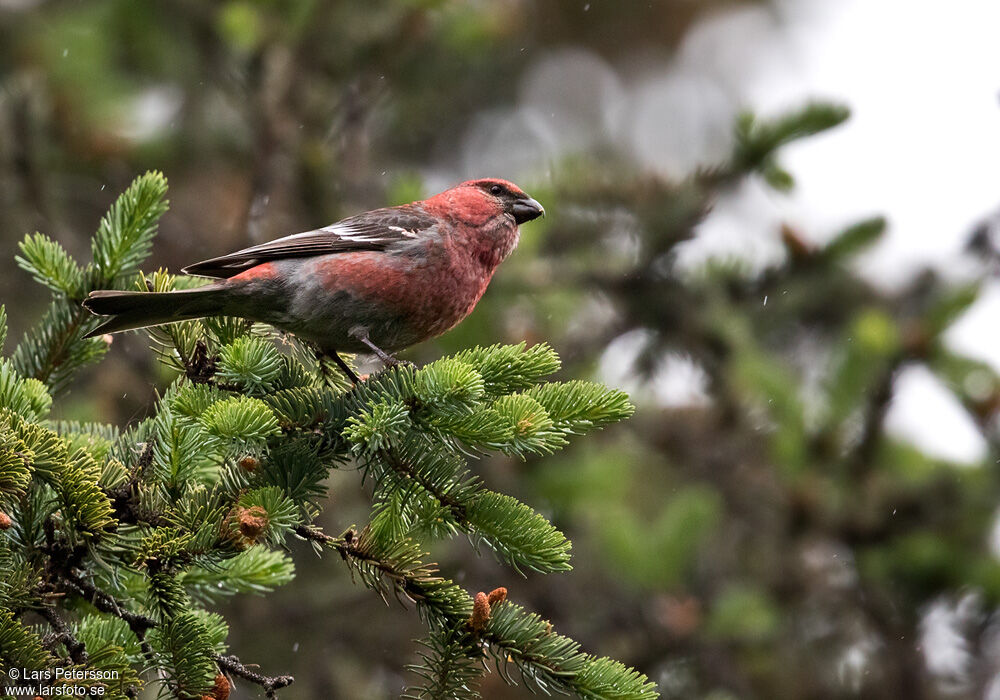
<point x="805" y="503"/>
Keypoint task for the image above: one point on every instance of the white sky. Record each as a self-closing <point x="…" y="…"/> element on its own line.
<point x="922" y="147"/>
<point x="923" y="82"/>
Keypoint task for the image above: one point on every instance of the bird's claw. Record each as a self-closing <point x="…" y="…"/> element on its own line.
<point x="395" y="362"/>
<point x="338" y="360"/>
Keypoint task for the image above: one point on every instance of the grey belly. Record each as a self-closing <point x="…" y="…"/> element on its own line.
<point x="331" y="321"/>
<point x="335" y="322"/>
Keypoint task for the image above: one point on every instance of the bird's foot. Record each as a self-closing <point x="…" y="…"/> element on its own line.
<point x="339" y="361"/>
<point x="387" y="359"/>
<point x="396" y="362"/>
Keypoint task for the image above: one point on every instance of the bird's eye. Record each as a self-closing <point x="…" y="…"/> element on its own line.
<point x="496" y="189"/>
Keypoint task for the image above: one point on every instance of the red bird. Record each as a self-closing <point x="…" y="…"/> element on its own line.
<point x="379" y="281"/>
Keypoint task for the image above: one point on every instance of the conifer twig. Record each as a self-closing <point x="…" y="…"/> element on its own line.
<point x="124" y="500"/>
<point x="77" y="650"/>
<point x="456" y="508"/>
<point x="105" y="602"/>
<point x="270" y="684"/>
<point x="63" y="562"/>
<point x="347" y="546"/>
<point x="59" y="348"/>
<point x="876" y="407"/>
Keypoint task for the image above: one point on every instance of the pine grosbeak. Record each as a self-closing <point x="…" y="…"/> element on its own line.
<point x="379" y="281"/>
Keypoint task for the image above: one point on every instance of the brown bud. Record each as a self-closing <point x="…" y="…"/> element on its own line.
<point x="986" y="407"/>
<point x="248" y="463"/>
<point x="5" y="521"/>
<point x="221" y="688"/>
<point x="480" y="612"/>
<point x="797" y="247"/>
<point x="680" y="615"/>
<point x="253" y="521"/>
<point x="917" y="339"/>
<point x="497" y="596"/>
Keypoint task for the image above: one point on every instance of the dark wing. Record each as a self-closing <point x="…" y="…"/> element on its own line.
<point x="374" y="230"/>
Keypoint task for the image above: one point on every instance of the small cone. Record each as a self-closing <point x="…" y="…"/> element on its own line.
<point x="497" y="596"/>
<point x="253" y="521"/>
<point x="480" y="612"/>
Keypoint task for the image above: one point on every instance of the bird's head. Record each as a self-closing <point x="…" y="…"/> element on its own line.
<point x="477" y="201"/>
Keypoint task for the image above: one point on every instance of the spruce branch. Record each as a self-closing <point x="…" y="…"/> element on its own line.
<point x="62" y="635"/>
<point x="404" y="573"/>
<point x="124" y="497"/>
<point x="55" y="348"/>
<point x="447" y="669"/>
<point x="860" y="458"/>
<point x="63" y="578"/>
<point x="270" y="684"/>
<point x="406" y="468"/>
<point x="140" y="624"/>
<point x="518" y="534"/>
<point x="105" y="602"/>
<point x="20" y="647"/>
<point x="509" y="634"/>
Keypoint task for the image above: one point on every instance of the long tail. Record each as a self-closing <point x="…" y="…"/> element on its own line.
<point x="130" y="310"/>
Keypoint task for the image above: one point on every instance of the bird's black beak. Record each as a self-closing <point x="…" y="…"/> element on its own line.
<point x="527" y="209"/>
